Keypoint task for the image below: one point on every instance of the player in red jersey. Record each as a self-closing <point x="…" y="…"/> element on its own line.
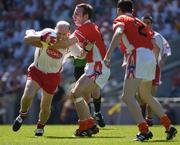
<point x="141" y="53"/>
<point x="96" y="73"/>
<point x="43" y="73"/>
<point x="165" y="51"/>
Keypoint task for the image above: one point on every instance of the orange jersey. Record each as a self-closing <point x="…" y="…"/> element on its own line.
<point x="137" y="33"/>
<point x="89" y="32"/>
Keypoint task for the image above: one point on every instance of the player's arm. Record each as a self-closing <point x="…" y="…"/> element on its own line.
<point x="32" y="38"/>
<point x="114" y="42"/>
<point x="84" y="50"/>
<point x="67" y="43"/>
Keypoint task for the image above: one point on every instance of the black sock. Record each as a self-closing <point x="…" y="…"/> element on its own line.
<point x="97" y="104"/>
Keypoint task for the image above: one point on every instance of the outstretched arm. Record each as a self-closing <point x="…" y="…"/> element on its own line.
<point x="63" y="44"/>
<point x="32" y="38"/>
<point x="114" y="42"/>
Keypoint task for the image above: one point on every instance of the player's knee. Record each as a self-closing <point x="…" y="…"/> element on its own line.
<point x="75" y="98"/>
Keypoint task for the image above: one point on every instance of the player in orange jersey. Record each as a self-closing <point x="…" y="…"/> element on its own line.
<point x="96" y="73"/>
<point x="165" y="51"/>
<point x="140" y="51"/>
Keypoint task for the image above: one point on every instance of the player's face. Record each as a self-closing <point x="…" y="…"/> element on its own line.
<point x="148" y="23"/>
<point x="62" y="32"/>
<point x="78" y="16"/>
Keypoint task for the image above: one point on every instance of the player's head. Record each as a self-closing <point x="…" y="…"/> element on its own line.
<point x="147" y="20"/>
<point x="124" y="6"/>
<point x="62" y="29"/>
<point x="82" y="13"/>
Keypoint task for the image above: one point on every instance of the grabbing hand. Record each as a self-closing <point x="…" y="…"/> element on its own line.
<point x="88" y="47"/>
<point x="48" y="38"/>
<point x="107" y="60"/>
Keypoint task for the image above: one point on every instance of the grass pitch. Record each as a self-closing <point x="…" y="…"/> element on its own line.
<point x="62" y="135"/>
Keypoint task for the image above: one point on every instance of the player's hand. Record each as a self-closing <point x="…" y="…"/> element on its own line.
<point x="46" y="37"/>
<point x="107" y="60"/>
<point x="89" y="46"/>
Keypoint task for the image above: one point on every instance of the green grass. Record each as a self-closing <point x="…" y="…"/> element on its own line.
<point x="62" y="135"/>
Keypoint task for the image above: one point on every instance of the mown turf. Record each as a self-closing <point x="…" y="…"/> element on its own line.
<point x="62" y="135"/>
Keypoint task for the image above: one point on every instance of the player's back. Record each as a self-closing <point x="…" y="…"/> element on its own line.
<point x="138" y="34"/>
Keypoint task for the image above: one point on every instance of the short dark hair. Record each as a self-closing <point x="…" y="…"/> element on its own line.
<point x="147" y="17"/>
<point x="87" y="9"/>
<point x="125" y="6"/>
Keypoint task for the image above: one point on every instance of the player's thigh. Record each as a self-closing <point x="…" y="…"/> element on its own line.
<point x="139" y="98"/>
<point x="154" y="90"/>
<point x="96" y="93"/>
<point x="83" y="86"/>
<point x="145" y="90"/>
<point x="31" y="88"/>
<point x="130" y="87"/>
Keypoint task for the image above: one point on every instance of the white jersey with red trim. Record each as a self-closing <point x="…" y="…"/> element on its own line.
<point x="49" y="60"/>
<point x="162" y="43"/>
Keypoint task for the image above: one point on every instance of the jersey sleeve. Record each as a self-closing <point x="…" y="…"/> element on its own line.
<point x="79" y="35"/>
<point x="118" y="23"/>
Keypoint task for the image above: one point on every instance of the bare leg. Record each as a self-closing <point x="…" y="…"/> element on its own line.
<point x="83" y="87"/>
<point x="130" y="88"/>
<point x="145" y="90"/>
<point x="153" y="92"/>
<point x="45" y="107"/>
<point x="29" y="92"/>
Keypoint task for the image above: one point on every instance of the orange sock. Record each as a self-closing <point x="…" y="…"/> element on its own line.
<point x="86" y="124"/>
<point x="165" y="121"/>
<point x="90" y="122"/>
<point x="143" y="127"/>
<point x="82" y="125"/>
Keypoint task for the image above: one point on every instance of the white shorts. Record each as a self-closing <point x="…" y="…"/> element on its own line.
<point x="98" y="71"/>
<point x="141" y="65"/>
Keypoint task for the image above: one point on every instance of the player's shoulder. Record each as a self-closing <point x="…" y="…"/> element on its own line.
<point x="88" y="25"/>
<point x="122" y="18"/>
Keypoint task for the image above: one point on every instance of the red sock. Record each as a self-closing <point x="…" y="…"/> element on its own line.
<point x="165" y="121"/>
<point x="40" y="125"/>
<point x="143" y="127"/>
<point x="86" y="124"/>
<point x="82" y="125"/>
<point x="91" y="122"/>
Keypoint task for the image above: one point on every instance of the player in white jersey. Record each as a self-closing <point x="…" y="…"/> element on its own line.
<point x="43" y="73"/>
<point x="164" y="51"/>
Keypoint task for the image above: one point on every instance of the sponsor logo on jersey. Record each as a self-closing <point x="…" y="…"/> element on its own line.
<point x="54" y="53"/>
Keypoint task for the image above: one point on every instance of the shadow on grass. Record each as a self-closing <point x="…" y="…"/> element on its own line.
<point x="108" y="128"/>
<point x="93" y="137"/>
<point x="156" y="141"/>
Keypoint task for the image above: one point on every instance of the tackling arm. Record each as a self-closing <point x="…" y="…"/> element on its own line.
<point x="32" y="38"/>
<point x="114" y="42"/>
